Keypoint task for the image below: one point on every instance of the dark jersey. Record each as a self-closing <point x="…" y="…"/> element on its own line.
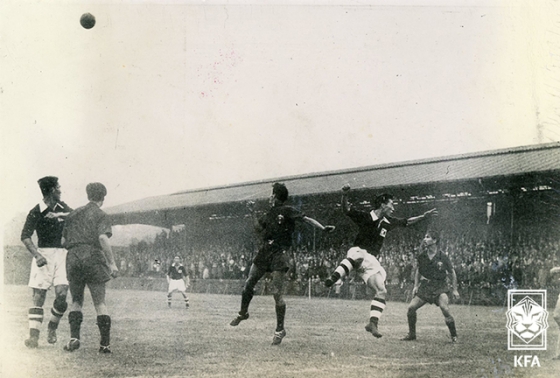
<point x="278" y="225"/>
<point x="435" y="269"/>
<point x="372" y="230"/>
<point x="84" y="226"/>
<point x="49" y="230"/>
<point x="177" y="272"/>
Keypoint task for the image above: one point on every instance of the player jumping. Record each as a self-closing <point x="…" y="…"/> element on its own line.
<point x="362" y="257"/>
<point x="275" y="227"/>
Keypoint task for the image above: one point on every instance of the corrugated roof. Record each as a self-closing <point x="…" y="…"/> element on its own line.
<point x="481" y="165"/>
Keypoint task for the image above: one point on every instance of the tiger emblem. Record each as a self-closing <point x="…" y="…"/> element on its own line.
<point x="527" y="319"/>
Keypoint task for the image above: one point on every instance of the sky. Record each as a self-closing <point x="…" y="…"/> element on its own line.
<point x="160" y="97"/>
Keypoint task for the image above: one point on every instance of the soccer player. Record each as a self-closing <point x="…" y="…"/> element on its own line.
<point x="177" y="278"/>
<point x="90" y="262"/>
<point x="430" y="284"/>
<point x="556" y="315"/>
<point x="363" y="256"/>
<point x="49" y="265"/>
<point x="275" y="228"/>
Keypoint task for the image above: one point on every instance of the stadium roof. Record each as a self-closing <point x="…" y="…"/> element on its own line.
<point x="511" y="162"/>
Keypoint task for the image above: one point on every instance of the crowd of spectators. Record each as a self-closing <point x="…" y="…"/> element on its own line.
<point x="482" y="259"/>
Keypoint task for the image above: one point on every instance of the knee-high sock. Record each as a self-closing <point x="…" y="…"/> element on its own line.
<point x="75" y="319"/>
<point x="280" y="315"/>
<point x="411" y="315"/>
<point x="246" y="297"/>
<point x="59" y="307"/>
<point x="104" y="324"/>
<point x="377" y="307"/>
<point x="35" y="316"/>
<point x="451" y="325"/>
<point x="343" y="269"/>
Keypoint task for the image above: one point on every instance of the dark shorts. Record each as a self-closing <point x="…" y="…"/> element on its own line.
<point x="86" y="265"/>
<point x="430" y="291"/>
<point x="271" y="259"/>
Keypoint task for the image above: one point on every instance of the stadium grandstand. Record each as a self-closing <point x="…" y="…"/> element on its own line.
<point x="499" y="217"/>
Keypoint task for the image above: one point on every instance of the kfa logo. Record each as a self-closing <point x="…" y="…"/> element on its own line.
<point x="527" y="319"/>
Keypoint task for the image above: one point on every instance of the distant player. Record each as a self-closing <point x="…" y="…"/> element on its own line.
<point x="90" y="262"/>
<point x="178" y="280"/>
<point x="275" y="227"/>
<point x="48" y="267"/>
<point x="556" y="271"/>
<point x="430" y="285"/>
<point x="363" y="256"/>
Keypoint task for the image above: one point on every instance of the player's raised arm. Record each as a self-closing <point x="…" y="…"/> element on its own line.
<point x="317" y="224"/>
<point x="257" y="224"/>
<point x="427" y="215"/>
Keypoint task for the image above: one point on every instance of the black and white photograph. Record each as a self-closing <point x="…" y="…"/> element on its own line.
<point x="280" y="188"/>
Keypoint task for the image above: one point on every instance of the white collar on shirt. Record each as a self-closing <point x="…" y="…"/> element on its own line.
<point x="375" y="217"/>
<point x="43" y="206"/>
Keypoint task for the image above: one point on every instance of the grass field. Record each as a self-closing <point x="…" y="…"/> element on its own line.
<point x="326" y="338"/>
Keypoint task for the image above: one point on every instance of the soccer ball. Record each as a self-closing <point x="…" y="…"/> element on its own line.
<point x="87" y="21"/>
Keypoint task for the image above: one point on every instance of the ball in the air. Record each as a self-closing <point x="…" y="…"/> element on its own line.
<point x="87" y="20"/>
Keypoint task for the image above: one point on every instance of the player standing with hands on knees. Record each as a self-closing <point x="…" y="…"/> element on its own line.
<point x="275" y="227"/>
<point x="49" y="265"/>
<point x="90" y="262"/>
<point x="363" y="256"/>
<point x="430" y="284"/>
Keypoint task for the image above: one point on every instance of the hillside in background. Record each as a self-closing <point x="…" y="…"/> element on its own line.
<point x="122" y="235"/>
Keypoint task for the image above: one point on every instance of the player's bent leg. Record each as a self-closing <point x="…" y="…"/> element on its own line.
<point x="255" y="274"/>
<point x="57" y="311"/>
<point x="35" y="316"/>
<point x="443" y="303"/>
<point x="352" y="261"/>
<point x="414" y="305"/>
<point x="377" y="283"/>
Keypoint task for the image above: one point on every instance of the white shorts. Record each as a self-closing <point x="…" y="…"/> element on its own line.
<point x="178" y="285"/>
<point x="51" y="274"/>
<point x="369" y="265"/>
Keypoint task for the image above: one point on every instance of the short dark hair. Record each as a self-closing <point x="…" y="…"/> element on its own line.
<point x="96" y="191"/>
<point x="280" y="191"/>
<point x="434" y="234"/>
<point x="47" y="183"/>
<point x="381" y="199"/>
